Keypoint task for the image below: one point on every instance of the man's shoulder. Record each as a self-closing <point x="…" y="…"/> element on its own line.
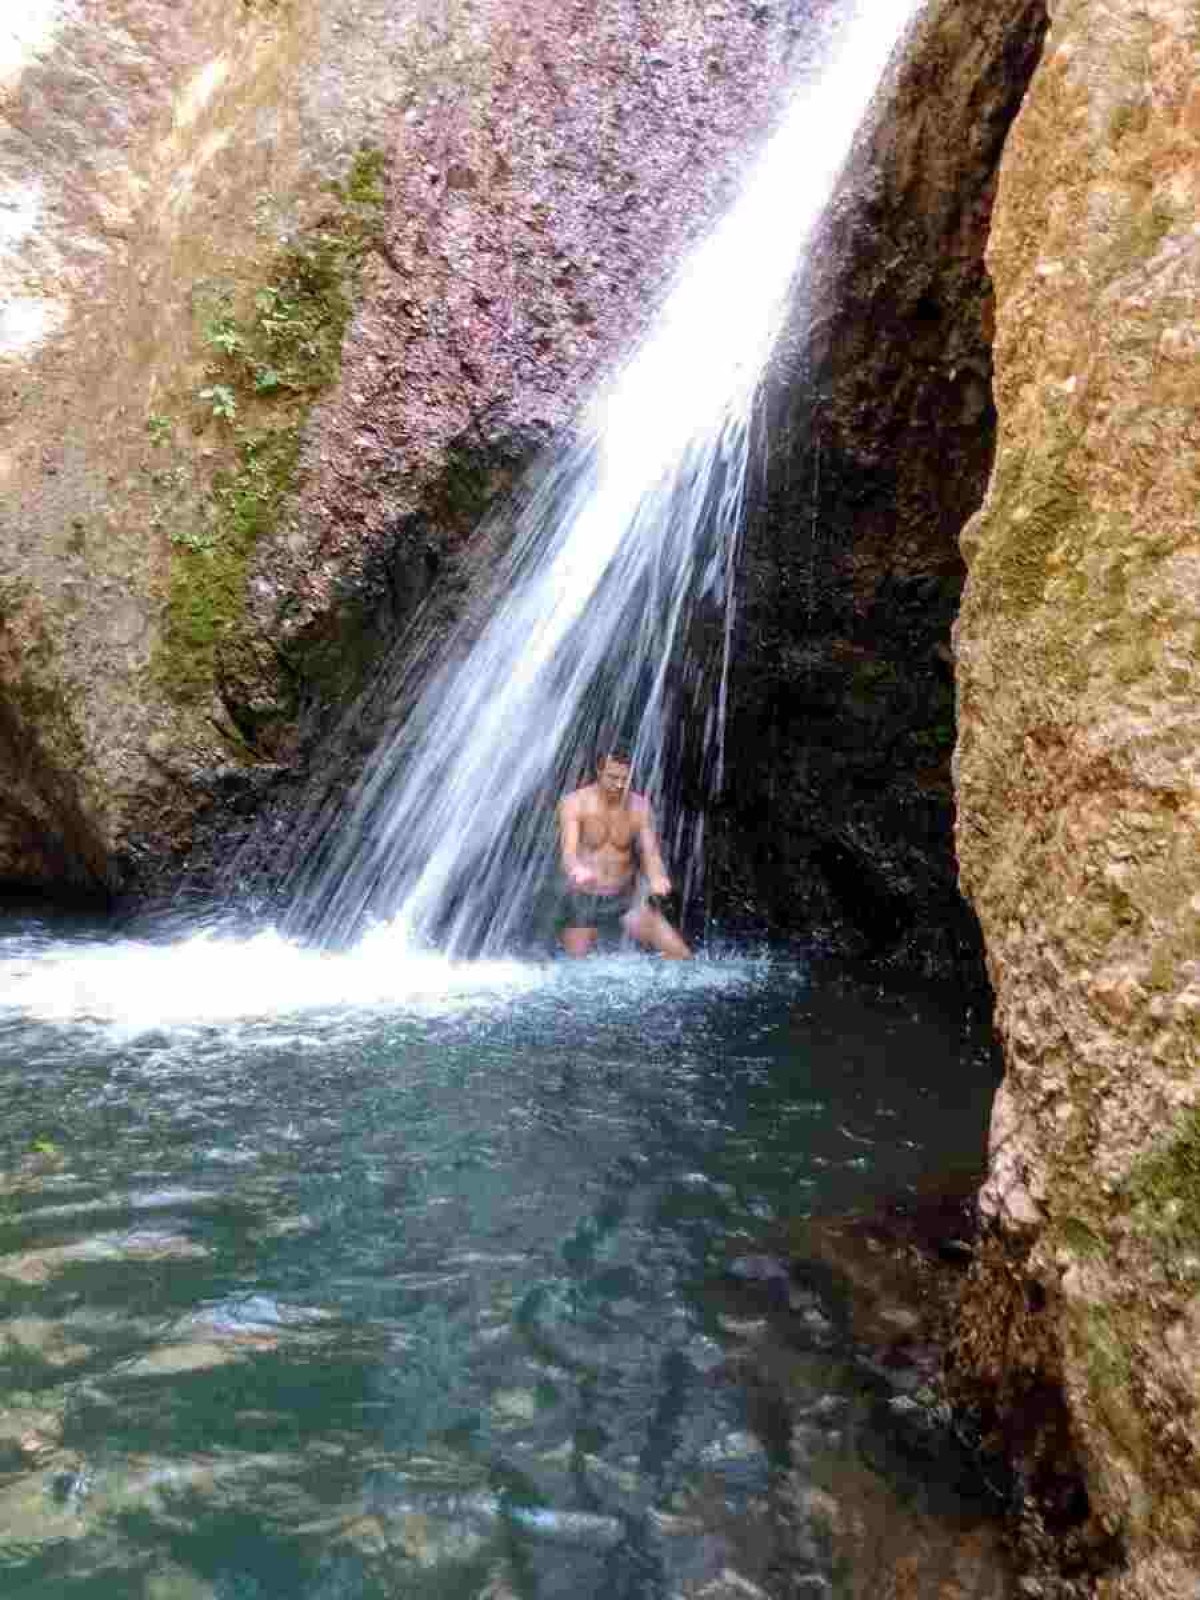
<point x="578" y="798"/>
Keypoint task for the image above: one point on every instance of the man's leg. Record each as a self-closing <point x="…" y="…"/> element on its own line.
<point x="651" y="928"/>
<point x="579" y="942"/>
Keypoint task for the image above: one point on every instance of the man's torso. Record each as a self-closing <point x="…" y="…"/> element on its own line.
<point x="607" y="836"/>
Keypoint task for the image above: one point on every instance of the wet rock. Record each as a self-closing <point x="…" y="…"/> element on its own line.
<point x="842" y="716"/>
<point x="176" y="1583"/>
<point x="727" y="1585"/>
<point x="514" y="1408"/>
<point x="766" y="1272"/>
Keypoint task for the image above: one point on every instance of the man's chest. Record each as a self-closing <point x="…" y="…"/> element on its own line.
<point x="616" y="829"/>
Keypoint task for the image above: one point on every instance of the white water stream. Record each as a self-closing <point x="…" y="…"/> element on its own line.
<point x="621" y="551"/>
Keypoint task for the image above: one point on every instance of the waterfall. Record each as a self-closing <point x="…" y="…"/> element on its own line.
<point x="611" y="612"/>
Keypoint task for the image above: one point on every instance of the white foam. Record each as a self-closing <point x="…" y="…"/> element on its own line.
<point x="214" y="978"/>
<point x="218" y="981"/>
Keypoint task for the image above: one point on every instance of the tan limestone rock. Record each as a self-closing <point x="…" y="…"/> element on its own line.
<point x="1078" y="763"/>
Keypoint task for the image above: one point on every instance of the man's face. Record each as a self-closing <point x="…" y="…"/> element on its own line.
<point x="612" y="774"/>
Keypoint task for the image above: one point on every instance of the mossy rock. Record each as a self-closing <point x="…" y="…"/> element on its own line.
<point x="1164" y="1193"/>
<point x="274" y="349"/>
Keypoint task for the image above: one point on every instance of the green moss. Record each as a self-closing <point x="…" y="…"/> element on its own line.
<point x="208" y="572"/>
<point x="1108" y="1360"/>
<point x="14" y="594"/>
<point x="1126" y="120"/>
<point x="1140" y="234"/>
<point x="274" y="349"/>
<point x="1164" y="1189"/>
<point x="1104" y="914"/>
<point x="1162" y="969"/>
<point x="1109" y="1366"/>
<point x="1136" y="659"/>
<point x="1081" y="1240"/>
<point x="1037" y="502"/>
<point x="365" y="185"/>
<point x="467" y="489"/>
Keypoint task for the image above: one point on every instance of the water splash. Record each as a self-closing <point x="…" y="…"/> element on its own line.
<point x="612" y="612"/>
<point x="223" y="984"/>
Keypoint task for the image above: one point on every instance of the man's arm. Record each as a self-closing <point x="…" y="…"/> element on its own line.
<point x="649" y="852"/>
<point x="568" y="830"/>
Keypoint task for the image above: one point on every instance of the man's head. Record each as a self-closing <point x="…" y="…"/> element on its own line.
<point x="613" y="770"/>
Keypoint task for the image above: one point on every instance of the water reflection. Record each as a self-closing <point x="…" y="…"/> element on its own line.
<point x="395" y="1295"/>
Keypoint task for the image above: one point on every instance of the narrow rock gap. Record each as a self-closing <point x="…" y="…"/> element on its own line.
<point x="876" y="447"/>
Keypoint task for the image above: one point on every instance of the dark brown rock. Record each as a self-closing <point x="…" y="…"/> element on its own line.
<point x="879" y="432"/>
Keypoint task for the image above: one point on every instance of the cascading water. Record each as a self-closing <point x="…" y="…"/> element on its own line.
<point x="621" y="552"/>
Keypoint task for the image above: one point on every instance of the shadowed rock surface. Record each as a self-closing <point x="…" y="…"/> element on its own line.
<point x="878" y="436"/>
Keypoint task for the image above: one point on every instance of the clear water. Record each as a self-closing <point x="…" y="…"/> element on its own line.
<point x="610" y="615"/>
<point x="364" y="1275"/>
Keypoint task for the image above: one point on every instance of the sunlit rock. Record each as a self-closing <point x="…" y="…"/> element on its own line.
<point x="1078" y="778"/>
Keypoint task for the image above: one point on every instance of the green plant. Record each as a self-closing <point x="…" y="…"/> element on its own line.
<point x="1081" y="1239"/>
<point x="288" y="340"/>
<point x="273" y="351"/>
<point x="1127" y="119"/>
<point x="201" y="539"/>
<point x="159" y="428"/>
<point x="220" y="399"/>
<point x="223" y="334"/>
<point x="1164" y="1188"/>
<point x="206" y="604"/>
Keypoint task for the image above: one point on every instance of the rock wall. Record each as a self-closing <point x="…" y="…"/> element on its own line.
<point x="289" y="289"/>
<point x="878" y="437"/>
<point x="1078" y="776"/>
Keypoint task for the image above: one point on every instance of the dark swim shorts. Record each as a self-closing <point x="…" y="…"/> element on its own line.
<point x="582" y="910"/>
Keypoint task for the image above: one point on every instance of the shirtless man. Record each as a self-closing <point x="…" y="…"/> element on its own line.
<point x="600" y="826"/>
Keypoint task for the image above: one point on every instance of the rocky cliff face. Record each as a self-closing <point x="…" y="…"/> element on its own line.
<point x="289" y="289"/>
<point x="364" y="262"/>
<point x="1078" y="777"/>
<point x="879" y="431"/>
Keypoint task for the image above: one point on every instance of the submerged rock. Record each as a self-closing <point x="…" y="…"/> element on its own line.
<point x="884" y="1494"/>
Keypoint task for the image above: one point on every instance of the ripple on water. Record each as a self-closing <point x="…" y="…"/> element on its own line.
<point x="405" y="1284"/>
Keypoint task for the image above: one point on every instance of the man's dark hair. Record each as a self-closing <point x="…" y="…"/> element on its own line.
<point x="618" y="750"/>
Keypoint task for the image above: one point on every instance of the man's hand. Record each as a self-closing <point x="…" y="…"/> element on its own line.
<point x="659" y="884"/>
<point x="581" y="877"/>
